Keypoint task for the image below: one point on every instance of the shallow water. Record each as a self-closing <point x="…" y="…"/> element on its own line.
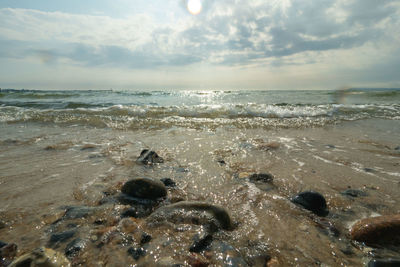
<point x="45" y="167"/>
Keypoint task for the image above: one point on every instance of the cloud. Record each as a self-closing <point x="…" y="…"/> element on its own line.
<point x="229" y="33"/>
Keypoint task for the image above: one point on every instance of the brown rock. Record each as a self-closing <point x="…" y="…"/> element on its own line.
<point x="382" y="230"/>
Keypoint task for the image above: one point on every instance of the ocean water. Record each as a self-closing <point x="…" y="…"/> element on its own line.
<point x="244" y="109"/>
<point x="63" y="149"/>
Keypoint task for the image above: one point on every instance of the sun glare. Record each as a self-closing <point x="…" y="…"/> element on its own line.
<point x="194" y="6"/>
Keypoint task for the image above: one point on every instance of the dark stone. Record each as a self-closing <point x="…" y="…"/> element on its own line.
<point x="369" y="170"/>
<point x="136" y="253"/>
<point x="8" y="251"/>
<point x="377" y="231"/>
<point x="149" y="157"/>
<point x="330" y="146"/>
<point x="384" y="263"/>
<point x="354" y="193"/>
<point x="327" y="227"/>
<point x="168" y="182"/>
<point x="221" y="162"/>
<point x="261" y="177"/>
<point x="75" y="247"/>
<point x="397" y="148"/>
<point x="193" y="212"/>
<point x="137" y="212"/>
<point x="61" y="237"/>
<point x="312" y="201"/>
<point x="77" y="212"/>
<point x="146" y="238"/>
<point x="144" y="188"/>
<point x="201" y="242"/>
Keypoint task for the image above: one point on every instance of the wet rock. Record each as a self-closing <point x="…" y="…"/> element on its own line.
<point x="2" y="244"/>
<point x="261" y="177"/>
<point x="75" y="247"/>
<point x="397" y="148"/>
<point x="382" y="230"/>
<point x="149" y="157"/>
<point x="384" y="263"/>
<point x="327" y="227"/>
<point x="330" y="146"/>
<point x="201" y="242"/>
<point x="369" y="170"/>
<point x="61" y="237"/>
<point x="168" y="182"/>
<point x="354" y="193"/>
<point x="312" y="201"/>
<point x="42" y="257"/>
<point x="77" y="212"/>
<point x="136" y="253"/>
<point x="221" y="162"/>
<point x="137" y="212"/>
<point x="144" y="188"/>
<point x="194" y="212"/>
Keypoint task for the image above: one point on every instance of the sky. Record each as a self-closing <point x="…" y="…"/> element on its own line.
<point x="227" y="44"/>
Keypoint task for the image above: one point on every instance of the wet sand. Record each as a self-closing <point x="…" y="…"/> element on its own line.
<point x="44" y="169"/>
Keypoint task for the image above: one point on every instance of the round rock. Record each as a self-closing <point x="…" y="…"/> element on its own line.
<point x="312" y="201"/>
<point x="377" y="231"/>
<point x="144" y="188"/>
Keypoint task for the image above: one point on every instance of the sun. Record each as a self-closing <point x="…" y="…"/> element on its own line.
<point x="194" y="6"/>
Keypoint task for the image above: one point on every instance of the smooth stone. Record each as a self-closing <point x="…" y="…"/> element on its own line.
<point x="228" y="254"/>
<point x="75" y="247"/>
<point x="149" y="157"/>
<point x="312" y="201"/>
<point x="384" y="263"/>
<point x="201" y="242"/>
<point x="261" y="177"/>
<point x="168" y="182"/>
<point x="136" y="253"/>
<point x="354" y="193"/>
<point x="144" y="188"/>
<point x="381" y="230"/>
<point x="194" y="212"/>
<point x="77" y="212"/>
<point x="61" y="237"/>
<point x="42" y="257"/>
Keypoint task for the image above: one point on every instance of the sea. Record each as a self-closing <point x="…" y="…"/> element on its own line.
<point x="65" y="154"/>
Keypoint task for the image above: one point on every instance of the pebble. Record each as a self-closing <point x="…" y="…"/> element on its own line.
<point x="261" y="177"/>
<point x="136" y="253"/>
<point x="138" y="211"/>
<point x="168" y="182"/>
<point x="149" y="157"/>
<point x="61" y="237"/>
<point x="75" y="247"/>
<point x="144" y="188"/>
<point x="194" y="212"/>
<point x="42" y="257"/>
<point x="377" y="231"/>
<point x="354" y="193"/>
<point x="312" y="201"/>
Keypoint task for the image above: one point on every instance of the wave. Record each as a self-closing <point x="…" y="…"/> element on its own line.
<point x="249" y="115"/>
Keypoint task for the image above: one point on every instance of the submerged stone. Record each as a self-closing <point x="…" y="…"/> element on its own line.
<point x="61" y="237"/>
<point x="261" y="177"/>
<point x="136" y="253"/>
<point x="144" y="188"/>
<point x="75" y="247"/>
<point x="77" y="212"/>
<point x="312" y="201"/>
<point x="137" y="212"/>
<point x="194" y="212"/>
<point x="354" y="193"/>
<point x="377" y="231"/>
<point x="42" y="257"/>
<point x="168" y="182"/>
<point x="149" y="157"/>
